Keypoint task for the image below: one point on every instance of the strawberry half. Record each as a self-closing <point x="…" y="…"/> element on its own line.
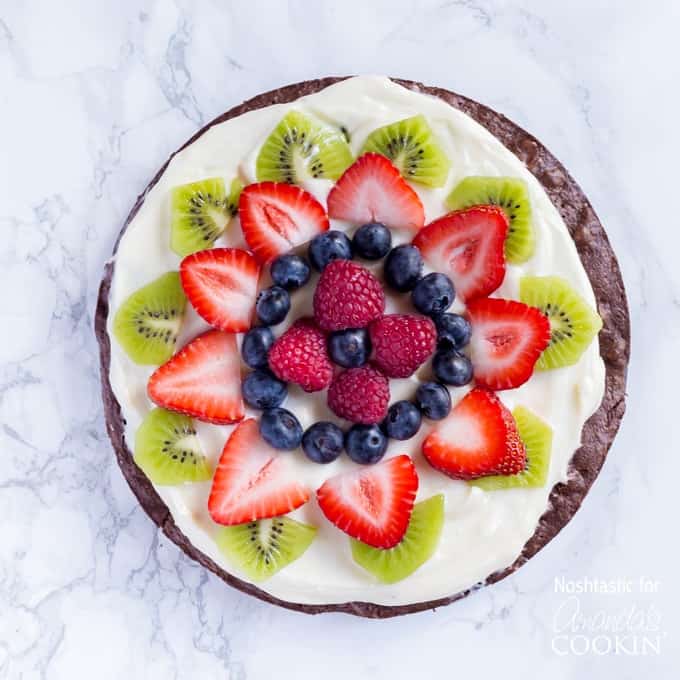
<point x="507" y="339"/>
<point x="202" y="380"/>
<point x="276" y="217"/>
<point x="468" y="245"/>
<point x="372" y="504"/>
<point x="373" y="190"/>
<point x="252" y="481"/>
<point x="478" y="438"/>
<point x="221" y="285"/>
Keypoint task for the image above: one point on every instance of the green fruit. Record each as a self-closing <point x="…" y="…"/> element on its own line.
<point x="573" y="322"/>
<point x="411" y="145"/>
<point x="168" y="449"/>
<point x="512" y="195"/>
<point x="299" y="148"/>
<point x="260" y="549"/>
<point x="148" y="322"/>
<point x="418" y="545"/>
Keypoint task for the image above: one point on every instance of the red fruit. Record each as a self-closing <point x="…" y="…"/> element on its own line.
<point x="373" y="190"/>
<point x="202" y="380"/>
<point x="478" y="438"/>
<point x="401" y="343"/>
<point x="252" y="481"/>
<point x="360" y="395"/>
<point x="507" y="339"/>
<point x="467" y="245"/>
<point x="300" y="356"/>
<point x="276" y="217"/>
<point x="221" y="285"/>
<point x="347" y="296"/>
<point x="372" y="504"/>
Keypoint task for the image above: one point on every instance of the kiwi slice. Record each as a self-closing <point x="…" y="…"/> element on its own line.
<point x="509" y="193"/>
<point x="200" y="213"/>
<point x="300" y="148"/>
<point x="417" y="546"/>
<point x="148" y="322"/>
<point x="168" y="450"/>
<point x="411" y="145"/>
<point x="573" y="322"/>
<point x="260" y="549"/>
<point x="537" y="437"/>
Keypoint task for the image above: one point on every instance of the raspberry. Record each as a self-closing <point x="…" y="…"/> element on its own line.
<point x="359" y="395"/>
<point x="401" y="343"/>
<point x="347" y="296"/>
<point x="300" y="356"/>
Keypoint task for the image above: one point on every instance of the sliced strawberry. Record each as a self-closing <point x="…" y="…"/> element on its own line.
<point x="478" y="438"/>
<point x="507" y="339"/>
<point x="372" y="504"/>
<point x="276" y="217"/>
<point x="221" y="285"/>
<point x="373" y="190"/>
<point x="202" y="380"/>
<point x="252" y="481"/>
<point x="468" y="245"/>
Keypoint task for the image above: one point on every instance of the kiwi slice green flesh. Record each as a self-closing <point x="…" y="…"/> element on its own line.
<point x="537" y="437"/>
<point x="510" y="194"/>
<point x="168" y="449"/>
<point x="260" y="549"/>
<point x="418" y="545"/>
<point x="299" y="148"/>
<point x="411" y="145"/>
<point x="573" y="322"/>
<point x="148" y="322"/>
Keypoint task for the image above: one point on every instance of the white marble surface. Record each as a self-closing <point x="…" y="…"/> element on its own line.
<point x="94" y="97"/>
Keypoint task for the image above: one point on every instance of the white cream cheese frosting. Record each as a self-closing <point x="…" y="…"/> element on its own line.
<point x="484" y="531"/>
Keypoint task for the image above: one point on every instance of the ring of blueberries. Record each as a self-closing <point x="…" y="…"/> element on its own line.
<point x="431" y="295"/>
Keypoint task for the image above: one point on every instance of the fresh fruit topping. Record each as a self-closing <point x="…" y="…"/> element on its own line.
<point x="347" y="296"/>
<point x="453" y="331"/>
<point x="359" y="395"/>
<point x="329" y="246"/>
<point x="252" y="481"/>
<point x="433" y="400"/>
<point x="148" y="322"/>
<point x="452" y="367"/>
<point x="415" y="548"/>
<point x="403" y="420"/>
<point x="277" y="217"/>
<point x="290" y="271"/>
<point x="372" y="190"/>
<point x="468" y="246"/>
<point x="261" y="390"/>
<point x="573" y="322"/>
<point x="256" y="345"/>
<point x="512" y="195"/>
<point x="168" y="450"/>
<point x="365" y="444"/>
<point x="507" y="339"/>
<point x="300" y="148"/>
<point x="411" y="145"/>
<point x="478" y="438"/>
<point x="402" y="343"/>
<point x="300" y="356"/>
<point x="272" y="305"/>
<point x="350" y="348"/>
<point x="433" y="294"/>
<point x="373" y="504"/>
<point x="323" y="442"/>
<point x="281" y="429"/>
<point x="260" y="549"/>
<point x="403" y="268"/>
<point x="221" y="285"/>
<point x="372" y="241"/>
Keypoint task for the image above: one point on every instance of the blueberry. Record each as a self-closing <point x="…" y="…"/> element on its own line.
<point x="372" y="241"/>
<point x="262" y="390"/>
<point x="256" y="345"/>
<point x="290" y="271"/>
<point x="365" y="444"/>
<point x="349" y="348"/>
<point x="433" y="400"/>
<point x="280" y="428"/>
<point x="272" y="305"/>
<point x="433" y="294"/>
<point x="329" y="246"/>
<point x="323" y="442"/>
<point x="402" y="421"/>
<point x="403" y="268"/>
<point x="453" y="331"/>
<point x="452" y="367"/>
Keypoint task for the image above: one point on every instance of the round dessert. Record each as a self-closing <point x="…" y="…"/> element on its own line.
<point x="364" y="346"/>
